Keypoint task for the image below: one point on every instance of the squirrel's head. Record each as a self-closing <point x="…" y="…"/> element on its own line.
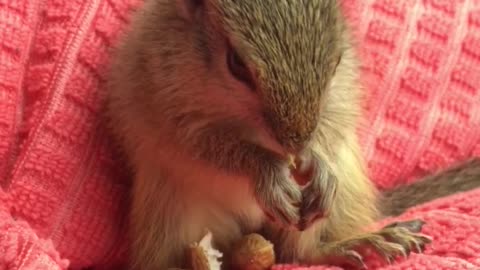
<point x="264" y="64"/>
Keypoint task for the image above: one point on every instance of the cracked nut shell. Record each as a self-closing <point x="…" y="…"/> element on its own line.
<point x="253" y="252"/>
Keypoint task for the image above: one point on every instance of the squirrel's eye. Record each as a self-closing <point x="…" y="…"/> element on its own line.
<point x="238" y="68"/>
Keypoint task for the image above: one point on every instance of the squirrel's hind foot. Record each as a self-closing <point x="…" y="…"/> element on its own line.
<point x="396" y="239"/>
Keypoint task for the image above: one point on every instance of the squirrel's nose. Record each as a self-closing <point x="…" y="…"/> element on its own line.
<point x="291" y="131"/>
<point x="296" y="146"/>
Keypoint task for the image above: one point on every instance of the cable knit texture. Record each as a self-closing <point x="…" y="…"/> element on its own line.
<point x="63" y="196"/>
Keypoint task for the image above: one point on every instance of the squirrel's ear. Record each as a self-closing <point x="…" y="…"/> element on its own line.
<point x="190" y="9"/>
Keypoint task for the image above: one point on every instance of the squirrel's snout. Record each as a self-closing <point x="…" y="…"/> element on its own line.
<point x="295" y="143"/>
<point x="292" y="129"/>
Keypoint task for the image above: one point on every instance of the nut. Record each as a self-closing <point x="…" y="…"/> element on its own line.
<point x="203" y="256"/>
<point x="253" y="252"/>
<point x="198" y="258"/>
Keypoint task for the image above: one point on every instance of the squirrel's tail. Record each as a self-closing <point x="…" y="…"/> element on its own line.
<point x="462" y="177"/>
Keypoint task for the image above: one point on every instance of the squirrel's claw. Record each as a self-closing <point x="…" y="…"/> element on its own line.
<point x="390" y="242"/>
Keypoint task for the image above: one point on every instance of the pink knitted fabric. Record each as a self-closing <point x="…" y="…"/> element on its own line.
<point x="63" y="197"/>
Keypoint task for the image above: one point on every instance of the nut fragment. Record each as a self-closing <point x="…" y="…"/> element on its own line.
<point x="203" y="256"/>
<point x="253" y="252"/>
<point x="291" y="161"/>
<point x="198" y="258"/>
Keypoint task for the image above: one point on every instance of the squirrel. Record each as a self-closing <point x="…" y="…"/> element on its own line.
<point x="212" y="99"/>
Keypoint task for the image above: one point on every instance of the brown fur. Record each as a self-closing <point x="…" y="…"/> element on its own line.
<point x="273" y="51"/>
<point x="210" y="152"/>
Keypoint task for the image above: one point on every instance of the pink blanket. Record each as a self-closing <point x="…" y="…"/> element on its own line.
<point x="63" y="195"/>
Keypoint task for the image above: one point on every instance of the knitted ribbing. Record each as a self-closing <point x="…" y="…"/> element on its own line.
<point x="63" y="194"/>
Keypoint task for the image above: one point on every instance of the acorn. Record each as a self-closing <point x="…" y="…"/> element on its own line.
<point x="253" y="252"/>
<point x="202" y="256"/>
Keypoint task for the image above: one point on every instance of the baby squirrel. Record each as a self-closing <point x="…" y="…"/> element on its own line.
<point x="211" y="98"/>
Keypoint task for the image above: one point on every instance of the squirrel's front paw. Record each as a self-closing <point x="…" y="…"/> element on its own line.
<point x="319" y="192"/>
<point x="279" y="196"/>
